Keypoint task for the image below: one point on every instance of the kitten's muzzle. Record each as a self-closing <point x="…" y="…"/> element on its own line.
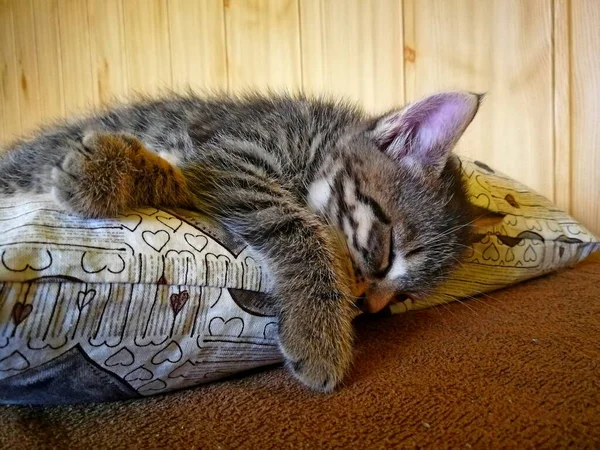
<point x="374" y="301"/>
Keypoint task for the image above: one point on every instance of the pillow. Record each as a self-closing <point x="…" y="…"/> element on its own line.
<point x="156" y="300"/>
<point x="520" y="235"/>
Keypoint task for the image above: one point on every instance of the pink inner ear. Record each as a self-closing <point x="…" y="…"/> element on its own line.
<point x="427" y="130"/>
<point x="442" y="123"/>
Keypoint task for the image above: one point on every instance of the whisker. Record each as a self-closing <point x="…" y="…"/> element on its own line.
<point x="467" y="305"/>
<point x="481" y="301"/>
<point x="450" y="230"/>
<point x="446" y="307"/>
<point x="451" y="298"/>
<point x="443" y="303"/>
<point x="488" y="296"/>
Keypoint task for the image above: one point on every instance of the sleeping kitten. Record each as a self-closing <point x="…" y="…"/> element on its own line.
<point x="288" y="175"/>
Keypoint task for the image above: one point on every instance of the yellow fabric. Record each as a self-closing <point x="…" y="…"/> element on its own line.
<point x="525" y="237"/>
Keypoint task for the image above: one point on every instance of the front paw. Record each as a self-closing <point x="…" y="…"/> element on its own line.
<point x="318" y="351"/>
<point x="95" y="178"/>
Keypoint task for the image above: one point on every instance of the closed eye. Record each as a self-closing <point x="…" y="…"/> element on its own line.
<point x="381" y="274"/>
<point x="387" y="265"/>
<point x="414" y="252"/>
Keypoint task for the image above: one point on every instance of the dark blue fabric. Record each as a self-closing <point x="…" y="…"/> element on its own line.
<point x="70" y="378"/>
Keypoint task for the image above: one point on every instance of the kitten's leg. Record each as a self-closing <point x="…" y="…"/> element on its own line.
<point x="110" y="173"/>
<point x="316" y="311"/>
<point x="311" y="283"/>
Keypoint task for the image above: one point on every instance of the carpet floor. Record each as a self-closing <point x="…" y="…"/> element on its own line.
<point x="517" y="369"/>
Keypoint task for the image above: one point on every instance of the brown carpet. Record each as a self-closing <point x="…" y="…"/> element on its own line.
<point x="519" y="370"/>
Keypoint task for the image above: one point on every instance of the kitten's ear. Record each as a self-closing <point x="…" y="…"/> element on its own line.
<point x="424" y="132"/>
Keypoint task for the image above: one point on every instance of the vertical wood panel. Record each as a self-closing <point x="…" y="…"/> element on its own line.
<point x="49" y="59"/>
<point x="27" y="68"/>
<point x="107" y="43"/>
<point x="147" y="45"/>
<point x="354" y="49"/>
<point x="585" y="67"/>
<point x="562" y="105"/>
<point x="503" y="47"/>
<point x="76" y="55"/>
<point x="198" y="56"/>
<point x="263" y="44"/>
<point x="10" y="110"/>
<point x="537" y="59"/>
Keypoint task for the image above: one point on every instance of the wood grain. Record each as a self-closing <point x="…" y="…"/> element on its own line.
<point x="504" y="48"/>
<point x="107" y="56"/>
<point x="263" y="44"/>
<point x="28" y="88"/>
<point x="10" y="110"/>
<point x="537" y="59"/>
<point x="198" y="57"/>
<point x="354" y="49"/>
<point x="585" y="81"/>
<point x="562" y="105"/>
<point x="47" y="39"/>
<point x="76" y="55"/>
<point x="147" y="47"/>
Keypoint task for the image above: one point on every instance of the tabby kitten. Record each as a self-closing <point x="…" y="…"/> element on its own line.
<point x="289" y="175"/>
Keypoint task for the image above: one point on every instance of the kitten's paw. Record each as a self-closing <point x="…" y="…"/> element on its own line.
<point x="96" y="176"/>
<point x="318" y="354"/>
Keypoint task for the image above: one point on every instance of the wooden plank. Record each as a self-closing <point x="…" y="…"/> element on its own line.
<point x="354" y="49"/>
<point x="504" y="48"/>
<point x="76" y="56"/>
<point x="10" y="109"/>
<point x="409" y="55"/>
<point x="49" y="62"/>
<point x="107" y="41"/>
<point x="562" y="105"/>
<point x="585" y="86"/>
<point x="198" y="55"/>
<point x="147" y="47"/>
<point x="263" y="44"/>
<point x="27" y="68"/>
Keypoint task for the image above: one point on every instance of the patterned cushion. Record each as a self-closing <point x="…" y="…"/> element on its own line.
<point x="522" y="236"/>
<point x="155" y="300"/>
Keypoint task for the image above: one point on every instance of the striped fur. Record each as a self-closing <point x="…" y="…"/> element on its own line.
<point x="301" y="180"/>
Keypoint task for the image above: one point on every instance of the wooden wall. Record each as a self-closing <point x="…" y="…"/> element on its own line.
<point x="538" y="60"/>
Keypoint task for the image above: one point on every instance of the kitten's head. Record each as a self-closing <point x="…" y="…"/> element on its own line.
<point x="397" y="193"/>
